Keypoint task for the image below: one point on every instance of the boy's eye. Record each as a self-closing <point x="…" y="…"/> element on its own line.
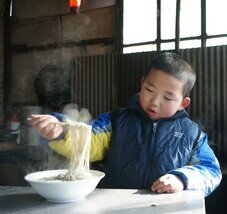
<point x="150" y="90"/>
<point x="166" y="98"/>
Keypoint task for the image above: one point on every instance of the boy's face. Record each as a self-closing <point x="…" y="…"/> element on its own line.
<point x="161" y="95"/>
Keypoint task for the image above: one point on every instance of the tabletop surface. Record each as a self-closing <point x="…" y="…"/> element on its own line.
<point x="25" y="200"/>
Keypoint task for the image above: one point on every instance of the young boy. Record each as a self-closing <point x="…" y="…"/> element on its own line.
<point x="151" y="144"/>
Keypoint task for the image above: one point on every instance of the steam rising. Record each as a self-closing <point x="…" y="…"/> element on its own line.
<point x="73" y="112"/>
<point x="41" y="157"/>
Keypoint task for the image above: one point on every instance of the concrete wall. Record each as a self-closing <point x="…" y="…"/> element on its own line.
<point x="1" y="57"/>
<point x="44" y="32"/>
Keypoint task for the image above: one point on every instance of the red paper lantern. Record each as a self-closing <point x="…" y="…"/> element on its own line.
<point x="74" y="6"/>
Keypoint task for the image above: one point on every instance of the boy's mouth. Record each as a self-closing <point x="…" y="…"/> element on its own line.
<point x="151" y="112"/>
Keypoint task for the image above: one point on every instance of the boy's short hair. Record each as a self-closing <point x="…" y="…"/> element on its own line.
<point x="177" y="67"/>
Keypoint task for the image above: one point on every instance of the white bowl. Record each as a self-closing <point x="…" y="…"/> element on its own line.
<point x="63" y="191"/>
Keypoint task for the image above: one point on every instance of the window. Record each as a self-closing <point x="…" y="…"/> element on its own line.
<point x="150" y="25"/>
<point x="139" y="27"/>
<point x="11" y="8"/>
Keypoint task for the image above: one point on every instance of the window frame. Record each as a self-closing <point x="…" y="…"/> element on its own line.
<point x="203" y="37"/>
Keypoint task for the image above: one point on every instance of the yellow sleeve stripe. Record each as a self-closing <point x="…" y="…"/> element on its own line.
<point x="99" y="146"/>
<point x="63" y="146"/>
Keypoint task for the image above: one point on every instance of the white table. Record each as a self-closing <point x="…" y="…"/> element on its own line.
<point x="105" y="201"/>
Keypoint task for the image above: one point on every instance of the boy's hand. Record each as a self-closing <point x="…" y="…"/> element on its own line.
<point x="45" y="126"/>
<point x="168" y="183"/>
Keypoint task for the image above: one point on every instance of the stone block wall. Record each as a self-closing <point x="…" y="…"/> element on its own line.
<point x="45" y="32"/>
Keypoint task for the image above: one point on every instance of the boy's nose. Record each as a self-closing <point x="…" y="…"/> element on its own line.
<point x="155" y="100"/>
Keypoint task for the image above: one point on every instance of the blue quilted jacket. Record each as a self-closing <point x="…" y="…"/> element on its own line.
<point x="141" y="150"/>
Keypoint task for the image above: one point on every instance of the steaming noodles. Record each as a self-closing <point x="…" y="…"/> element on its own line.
<point x="80" y="134"/>
<point x="68" y="185"/>
<point x="80" y="149"/>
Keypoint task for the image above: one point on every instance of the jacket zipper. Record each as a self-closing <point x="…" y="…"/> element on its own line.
<point x="152" y="131"/>
<point x="154" y="127"/>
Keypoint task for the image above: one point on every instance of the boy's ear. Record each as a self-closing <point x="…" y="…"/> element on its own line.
<point x="185" y="103"/>
<point x="141" y="81"/>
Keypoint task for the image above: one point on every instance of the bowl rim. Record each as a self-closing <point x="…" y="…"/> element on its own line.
<point x="100" y="175"/>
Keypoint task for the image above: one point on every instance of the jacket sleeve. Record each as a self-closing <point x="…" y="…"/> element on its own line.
<point x="203" y="172"/>
<point x="101" y="136"/>
<point x="100" y="139"/>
